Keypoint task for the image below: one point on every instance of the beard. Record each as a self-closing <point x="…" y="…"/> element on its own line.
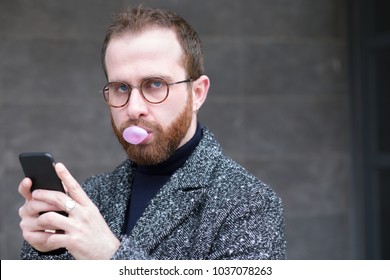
<point x="164" y="142"/>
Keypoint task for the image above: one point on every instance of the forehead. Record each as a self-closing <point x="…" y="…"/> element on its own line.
<point x="153" y="48"/>
<point x="149" y="33"/>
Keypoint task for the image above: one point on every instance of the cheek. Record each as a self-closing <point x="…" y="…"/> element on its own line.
<point x="117" y="118"/>
<point x="164" y="118"/>
<point x="170" y="113"/>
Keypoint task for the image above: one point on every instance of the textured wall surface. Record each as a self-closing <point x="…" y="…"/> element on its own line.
<point x="278" y="102"/>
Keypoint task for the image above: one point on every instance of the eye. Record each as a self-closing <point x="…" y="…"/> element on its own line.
<point x="122" y="88"/>
<point x="153" y="84"/>
<point x="156" y="84"/>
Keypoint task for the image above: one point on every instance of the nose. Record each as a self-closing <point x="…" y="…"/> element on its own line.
<point x="137" y="105"/>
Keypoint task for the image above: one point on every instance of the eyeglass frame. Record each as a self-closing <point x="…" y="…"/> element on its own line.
<point x="131" y="87"/>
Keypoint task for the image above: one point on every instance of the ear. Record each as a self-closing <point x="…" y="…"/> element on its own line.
<point x="200" y="88"/>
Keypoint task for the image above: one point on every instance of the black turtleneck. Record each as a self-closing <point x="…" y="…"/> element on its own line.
<point x="148" y="180"/>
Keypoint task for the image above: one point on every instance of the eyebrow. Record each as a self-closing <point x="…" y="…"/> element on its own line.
<point x="165" y="77"/>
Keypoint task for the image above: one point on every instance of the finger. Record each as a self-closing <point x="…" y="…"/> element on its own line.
<point x="41" y="240"/>
<point x="25" y="188"/>
<point x="35" y="207"/>
<point x="56" y="198"/>
<point x="52" y="221"/>
<point x="54" y="201"/>
<point x="73" y="187"/>
<point x="32" y="224"/>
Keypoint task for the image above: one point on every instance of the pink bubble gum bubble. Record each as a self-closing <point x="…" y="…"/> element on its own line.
<point x="135" y="134"/>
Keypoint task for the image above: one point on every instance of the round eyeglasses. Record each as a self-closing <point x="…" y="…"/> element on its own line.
<point x="153" y="90"/>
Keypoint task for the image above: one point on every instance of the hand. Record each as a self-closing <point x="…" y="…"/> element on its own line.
<point x="85" y="235"/>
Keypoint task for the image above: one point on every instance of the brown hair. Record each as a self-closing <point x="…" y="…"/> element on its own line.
<point x="138" y="19"/>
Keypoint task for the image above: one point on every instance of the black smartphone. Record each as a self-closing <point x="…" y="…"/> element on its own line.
<point x="39" y="167"/>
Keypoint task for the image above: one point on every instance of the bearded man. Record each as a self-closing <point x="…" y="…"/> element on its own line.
<point x="177" y="196"/>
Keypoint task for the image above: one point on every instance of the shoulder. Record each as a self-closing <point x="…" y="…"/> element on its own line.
<point x="241" y="207"/>
<point x="232" y="180"/>
<point x="229" y="179"/>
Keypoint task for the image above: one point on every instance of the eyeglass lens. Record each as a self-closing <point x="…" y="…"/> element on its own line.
<point x="154" y="91"/>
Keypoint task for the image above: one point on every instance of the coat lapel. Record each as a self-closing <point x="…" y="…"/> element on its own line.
<point x="179" y="196"/>
<point x="115" y="209"/>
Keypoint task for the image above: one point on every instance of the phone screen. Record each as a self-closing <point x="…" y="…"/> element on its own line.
<point x="39" y="167"/>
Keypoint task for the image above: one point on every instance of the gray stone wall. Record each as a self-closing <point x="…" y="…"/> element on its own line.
<point x="278" y="102"/>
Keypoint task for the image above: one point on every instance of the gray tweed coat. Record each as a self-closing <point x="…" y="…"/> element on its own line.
<point x="211" y="208"/>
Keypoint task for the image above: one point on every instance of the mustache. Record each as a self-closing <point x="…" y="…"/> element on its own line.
<point x="141" y="123"/>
